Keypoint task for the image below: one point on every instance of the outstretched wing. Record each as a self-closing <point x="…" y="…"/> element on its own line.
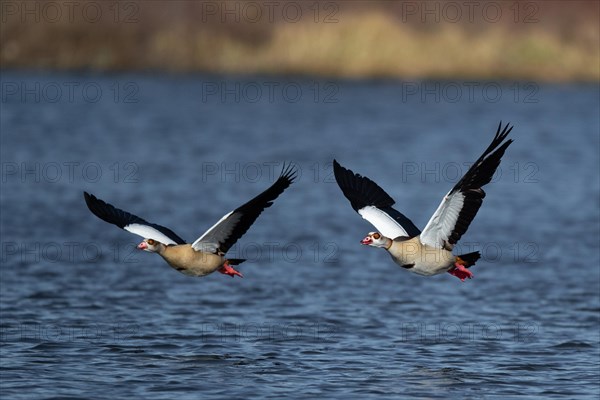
<point x="458" y="208"/>
<point x="373" y="203"/>
<point x="130" y="222"/>
<point x="221" y="236"/>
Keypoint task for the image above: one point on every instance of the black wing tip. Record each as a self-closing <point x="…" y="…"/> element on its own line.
<point x="103" y="210"/>
<point x="502" y="133"/>
<point x="289" y="172"/>
<point x="95" y="204"/>
<point x="498" y="144"/>
<point x="91" y="201"/>
<point x="339" y="171"/>
<point x="339" y="167"/>
<point x="482" y="171"/>
<point x="91" y="198"/>
<point x="344" y="176"/>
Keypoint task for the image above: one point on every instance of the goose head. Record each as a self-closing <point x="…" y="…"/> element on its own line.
<point x="150" y="245"/>
<point x="375" y="239"/>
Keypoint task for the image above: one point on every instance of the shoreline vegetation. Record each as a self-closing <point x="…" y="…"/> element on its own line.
<point x="549" y="41"/>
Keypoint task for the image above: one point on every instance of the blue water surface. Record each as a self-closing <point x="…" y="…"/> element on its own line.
<point x="317" y="315"/>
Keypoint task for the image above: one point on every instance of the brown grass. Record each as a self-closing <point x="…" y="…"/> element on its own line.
<point x="376" y="39"/>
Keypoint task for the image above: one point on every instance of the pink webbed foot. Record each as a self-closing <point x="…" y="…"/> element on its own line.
<point x="460" y="272"/>
<point x="228" y="270"/>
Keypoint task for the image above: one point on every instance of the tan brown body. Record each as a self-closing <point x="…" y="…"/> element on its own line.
<point x="188" y="261"/>
<point x="421" y="259"/>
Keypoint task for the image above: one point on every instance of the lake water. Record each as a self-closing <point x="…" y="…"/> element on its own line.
<point x="85" y="315"/>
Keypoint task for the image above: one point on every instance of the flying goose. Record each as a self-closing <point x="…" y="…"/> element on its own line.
<point x="207" y="254"/>
<point x="428" y="252"/>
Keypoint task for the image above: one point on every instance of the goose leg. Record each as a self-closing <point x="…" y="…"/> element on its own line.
<point x="460" y="272"/>
<point x="228" y="270"/>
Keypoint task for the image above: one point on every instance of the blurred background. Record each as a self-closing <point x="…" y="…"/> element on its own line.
<point x="180" y="111"/>
<point x="541" y="40"/>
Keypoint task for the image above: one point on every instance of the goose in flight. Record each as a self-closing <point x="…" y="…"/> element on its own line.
<point x="428" y="252"/>
<point x="207" y="254"/>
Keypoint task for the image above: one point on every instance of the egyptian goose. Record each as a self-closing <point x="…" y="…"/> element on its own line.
<point x="207" y="254"/>
<point x="428" y="252"/>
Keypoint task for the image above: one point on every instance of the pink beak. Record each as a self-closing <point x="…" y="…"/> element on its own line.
<point x="142" y="246"/>
<point x="366" y="240"/>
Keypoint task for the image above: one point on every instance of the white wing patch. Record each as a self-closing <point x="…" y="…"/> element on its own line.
<point x="210" y="241"/>
<point x="148" y="232"/>
<point x="385" y="224"/>
<point x="440" y="226"/>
